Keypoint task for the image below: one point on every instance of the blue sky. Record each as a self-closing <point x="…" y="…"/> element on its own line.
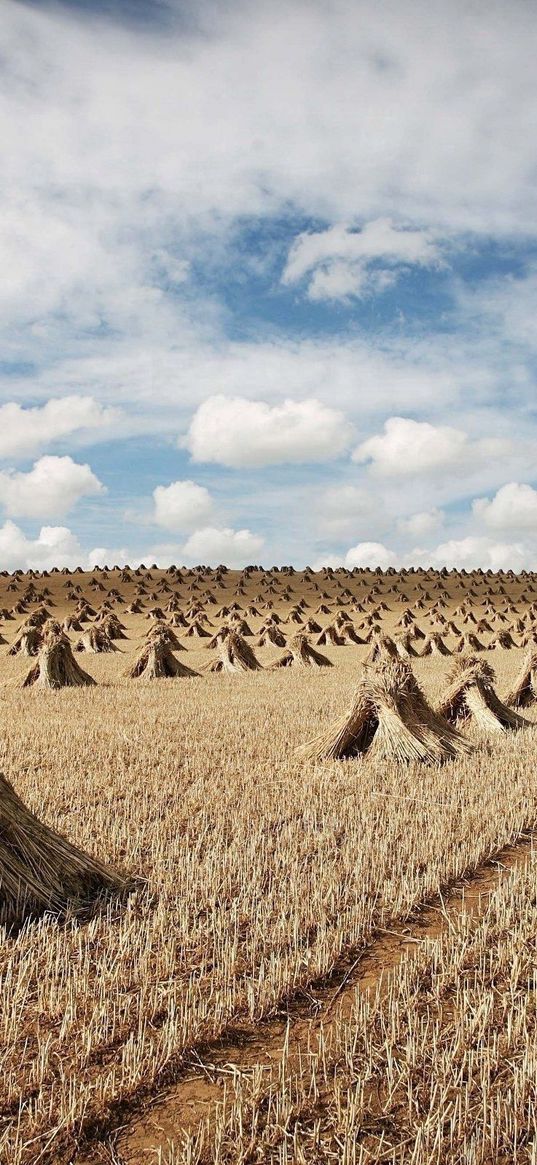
<point x="269" y="283"/>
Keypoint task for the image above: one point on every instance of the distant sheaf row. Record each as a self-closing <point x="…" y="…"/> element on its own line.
<point x="390" y="717"/>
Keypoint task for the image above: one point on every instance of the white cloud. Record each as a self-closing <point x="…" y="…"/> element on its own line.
<point x="183" y="505"/>
<point x="469" y="552"/>
<point x="91" y="110"/>
<point x="212" y="545"/>
<point x="514" y="507"/>
<point x="54" y="546"/>
<point x="103" y="556"/>
<point x="472" y="552"/>
<point x="407" y="447"/>
<point x="370" y="554"/>
<point x="341" y="280"/>
<point x="345" y="510"/>
<point x="339" y="260"/>
<point x="420" y="524"/>
<point x="24" y="430"/>
<point x="502" y="305"/>
<point x="51" y="488"/>
<point x="244" y="434"/>
<point x="89" y="249"/>
<point x="333" y="560"/>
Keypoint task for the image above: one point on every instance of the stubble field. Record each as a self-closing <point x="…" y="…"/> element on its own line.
<point x="262" y="871"/>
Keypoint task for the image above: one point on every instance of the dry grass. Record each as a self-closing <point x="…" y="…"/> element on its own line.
<point x="261" y="868"/>
<point x="437" y="1066"/>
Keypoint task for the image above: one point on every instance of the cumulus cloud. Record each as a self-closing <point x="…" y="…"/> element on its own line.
<point x="104" y="556"/>
<point x="342" y="262"/>
<point x="364" y="554"/>
<point x="182" y="505"/>
<point x="96" y="261"/>
<point x="51" y="488"/>
<point x="344" y="510"/>
<point x="370" y="554"/>
<point x="472" y="551"/>
<point x="243" y="433"/>
<point x="53" y="546"/>
<point x="396" y="133"/>
<point x="24" y="430"/>
<point x="212" y="545"/>
<point x="421" y="524"/>
<point x="514" y="507"/>
<point x="408" y="447"/>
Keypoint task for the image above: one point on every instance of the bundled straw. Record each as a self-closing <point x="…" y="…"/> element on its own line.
<point x="56" y="666"/>
<point x="468" y="643"/>
<point x="71" y="623"/>
<point x="434" y="645"/>
<point x="382" y="648"/>
<point x="27" y="643"/>
<point x="524" y="690"/>
<point x="162" y="631"/>
<point x="156" y="661"/>
<point x="236" y="655"/>
<point x="41" y="871"/>
<point x="405" y="646"/>
<point x="300" y="653"/>
<point x="348" y="635"/>
<point x="503" y="639"/>
<point x="271" y="635"/>
<point x="197" y="631"/>
<point x="96" y="640"/>
<point x="390" y="719"/>
<point x="110" y="624"/>
<point x="471" y="696"/>
<point x="330" y="635"/>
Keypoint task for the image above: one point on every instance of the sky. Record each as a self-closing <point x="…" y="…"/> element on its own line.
<point x="268" y="283"/>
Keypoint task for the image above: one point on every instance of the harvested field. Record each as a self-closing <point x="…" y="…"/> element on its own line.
<point x="263" y="871"/>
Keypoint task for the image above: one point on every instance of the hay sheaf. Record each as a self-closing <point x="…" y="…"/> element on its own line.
<point x="330" y="635"/>
<point x="405" y="646"/>
<point x="57" y="667"/>
<point x="41" y="871"/>
<point x="162" y="631"/>
<point x="434" y="645"/>
<point x="96" y="640"/>
<point x="524" y="690"/>
<point x="383" y="647"/>
<point x="271" y="636"/>
<point x="300" y="653"/>
<point x="27" y="643"/>
<point x="470" y="696"/>
<point x="156" y="661"/>
<point x="391" y="720"/>
<point x="235" y="655"/>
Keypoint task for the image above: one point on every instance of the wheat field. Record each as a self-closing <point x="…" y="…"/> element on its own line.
<point x="259" y="872"/>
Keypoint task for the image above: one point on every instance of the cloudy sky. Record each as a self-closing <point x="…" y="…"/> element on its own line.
<point x="268" y="282"/>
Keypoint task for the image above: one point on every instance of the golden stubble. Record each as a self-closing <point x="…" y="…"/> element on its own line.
<point x="261" y="868"/>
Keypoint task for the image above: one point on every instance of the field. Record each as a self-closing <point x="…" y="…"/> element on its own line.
<point x="266" y="875"/>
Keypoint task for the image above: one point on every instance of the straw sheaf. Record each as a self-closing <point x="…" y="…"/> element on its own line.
<point x="42" y="871"/>
<point x="390" y="719"/>
<point x="57" y="667"/>
<point x="156" y="661"/>
<point x="236" y="655"/>
<point x="471" y="696"/>
<point x="524" y="690"/>
<point x="300" y="653"/>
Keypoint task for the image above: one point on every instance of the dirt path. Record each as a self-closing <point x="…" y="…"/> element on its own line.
<point x="193" y="1099"/>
